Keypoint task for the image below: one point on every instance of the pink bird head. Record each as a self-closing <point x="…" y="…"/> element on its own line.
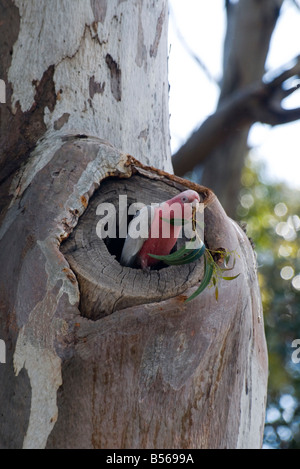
<point x="178" y="208"/>
<point x="165" y="227"/>
<point x="187" y="196"/>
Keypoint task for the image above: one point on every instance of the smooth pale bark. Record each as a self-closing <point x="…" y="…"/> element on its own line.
<point x="86" y="84"/>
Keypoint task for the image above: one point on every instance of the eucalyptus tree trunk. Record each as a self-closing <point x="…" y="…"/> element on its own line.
<point x="98" y="355"/>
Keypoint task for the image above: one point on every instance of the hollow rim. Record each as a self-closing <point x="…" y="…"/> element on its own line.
<point x="100" y="274"/>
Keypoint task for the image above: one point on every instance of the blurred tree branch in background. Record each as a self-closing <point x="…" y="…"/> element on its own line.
<point x="220" y="144"/>
<point x="260" y="102"/>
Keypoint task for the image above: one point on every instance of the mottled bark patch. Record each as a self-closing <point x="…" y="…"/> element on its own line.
<point x="9" y="29"/>
<point x="159" y="26"/>
<point x="21" y="131"/>
<point x="95" y="87"/>
<point x="59" y="123"/>
<point x="141" y="52"/>
<point x="115" y="77"/>
<point x="144" y="134"/>
<point x="15" y="401"/>
<point x="99" y="10"/>
<point x="25" y="128"/>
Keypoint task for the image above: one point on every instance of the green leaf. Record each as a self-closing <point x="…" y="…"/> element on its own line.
<point x="208" y="271"/>
<point x="228" y="268"/>
<point x="227" y="259"/>
<point x="194" y="255"/>
<point x="182" y="256"/>
<point x="185" y="259"/>
<point x="185" y="256"/>
<point x="175" y="221"/>
<point x="172" y="256"/>
<point x="230" y="278"/>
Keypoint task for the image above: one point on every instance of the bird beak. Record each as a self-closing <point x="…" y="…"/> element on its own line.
<point x="198" y="206"/>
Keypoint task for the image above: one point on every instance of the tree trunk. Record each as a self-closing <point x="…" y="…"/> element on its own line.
<point x="99" y="355"/>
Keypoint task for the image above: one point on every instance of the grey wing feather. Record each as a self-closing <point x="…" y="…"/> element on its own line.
<point x="132" y="246"/>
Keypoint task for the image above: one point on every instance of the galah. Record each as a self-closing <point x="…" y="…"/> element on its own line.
<point x="162" y="234"/>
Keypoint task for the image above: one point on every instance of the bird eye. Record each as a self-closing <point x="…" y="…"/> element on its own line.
<point x="184" y="199"/>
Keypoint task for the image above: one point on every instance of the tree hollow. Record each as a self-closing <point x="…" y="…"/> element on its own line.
<point x="105" y="285"/>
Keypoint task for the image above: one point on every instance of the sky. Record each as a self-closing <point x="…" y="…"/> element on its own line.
<point x="193" y="96"/>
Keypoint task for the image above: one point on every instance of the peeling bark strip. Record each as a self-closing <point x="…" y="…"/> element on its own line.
<point x="21" y="131"/>
<point x="115" y="77"/>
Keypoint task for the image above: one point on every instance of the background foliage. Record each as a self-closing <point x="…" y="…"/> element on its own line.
<point x="271" y="213"/>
